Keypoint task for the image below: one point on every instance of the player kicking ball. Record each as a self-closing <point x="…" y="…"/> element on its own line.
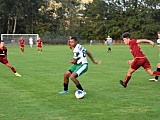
<point x="3" y="58"/>
<point x="80" y="65"/>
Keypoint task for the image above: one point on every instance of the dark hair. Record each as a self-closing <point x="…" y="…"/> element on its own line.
<point x="74" y="38"/>
<point x="158" y="32"/>
<point x="126" y="35"/>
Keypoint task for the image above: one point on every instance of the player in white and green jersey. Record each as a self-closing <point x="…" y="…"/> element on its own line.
<point x="80" y="65"/>
<point x="109" y="42"/>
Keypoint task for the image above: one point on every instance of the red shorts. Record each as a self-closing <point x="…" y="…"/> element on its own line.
<point x="138" y="62"/>
<point x="21" y="45"/>
<point x="3" y="60"/>
<point x="39" y="46"/>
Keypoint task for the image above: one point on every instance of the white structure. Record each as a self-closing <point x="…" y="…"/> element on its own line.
<point x="14" y="38"/>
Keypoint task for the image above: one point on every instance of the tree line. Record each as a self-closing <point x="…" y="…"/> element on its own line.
<point x="57" y="19"/>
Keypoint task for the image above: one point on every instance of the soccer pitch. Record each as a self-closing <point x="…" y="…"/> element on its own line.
<point x="34" y="96"/>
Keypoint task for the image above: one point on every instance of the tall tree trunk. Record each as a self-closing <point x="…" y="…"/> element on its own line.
<point x="8" y="25"/>
<point x="15" y="24"/>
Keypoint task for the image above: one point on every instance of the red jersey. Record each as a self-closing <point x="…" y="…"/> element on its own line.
<point x="21" y="42"/>
<point x="39" y="43"/>
<point x="3" y="51"/>
<point x="135" y="48"/>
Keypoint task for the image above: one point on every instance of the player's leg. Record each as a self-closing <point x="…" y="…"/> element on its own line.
<point x="80" y="69"/>
<point x="147" y="67"/>
<point x="23" y="49"/>
<point x="38" y="49"/>
<point x="134" y="65"/>
<point x="156" y="77"/>
<point x="127" y="78"/>
<point x="5" y="61"/>
<point x="153" y="73"/>
<point x="76" y="82"/>
<point x="66" y="79"/>
<point x="41" y="49"/>
<point x="66" y="82"/>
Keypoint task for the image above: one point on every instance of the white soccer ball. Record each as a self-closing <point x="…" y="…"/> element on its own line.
<point x="79" y="94"/>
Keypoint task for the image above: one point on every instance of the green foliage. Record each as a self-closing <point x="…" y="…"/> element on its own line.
<point x="95" y="21"/>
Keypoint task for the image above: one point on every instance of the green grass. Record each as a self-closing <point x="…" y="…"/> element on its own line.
<point x="35" y="96"/>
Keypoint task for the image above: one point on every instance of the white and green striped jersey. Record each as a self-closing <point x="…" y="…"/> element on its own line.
<point x="158" y="42"/>
<point x="79" y="53"/>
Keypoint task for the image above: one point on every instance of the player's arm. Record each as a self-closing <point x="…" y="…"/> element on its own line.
<point x="91" y="57"/>
<point x="145" y="41"/>
<point x="42" y="43"/>
<point x="130" y="61"/>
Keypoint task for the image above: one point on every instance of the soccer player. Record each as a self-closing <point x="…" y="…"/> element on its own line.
<point x="31" y="42"/>
<point x="21" y="44"/>
<point x="3" y="58"/>
<point x="158" y="64"/>
<point x="80" y="65"/>
<point x="39" y="45"/>
<point x="139" y="58"/>
<point x="109" y="42"/>
<point x="69" y="43"/>
<point x="91" y="42"/>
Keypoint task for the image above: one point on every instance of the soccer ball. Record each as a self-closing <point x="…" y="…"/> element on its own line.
<point x="79" y="94"/>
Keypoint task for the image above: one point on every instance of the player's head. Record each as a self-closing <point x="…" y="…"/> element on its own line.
<point x="1" y="43"/>
<point x="73" y="41"/>
<point x="126" y="37"/>
<point x="158" y="33"/>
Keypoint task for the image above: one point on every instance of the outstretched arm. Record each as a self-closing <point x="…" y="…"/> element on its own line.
<point x="145" y="41"/>
<point x="91" y="57"/>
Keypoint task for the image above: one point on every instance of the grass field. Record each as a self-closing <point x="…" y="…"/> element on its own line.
<point x="34" y="96"/>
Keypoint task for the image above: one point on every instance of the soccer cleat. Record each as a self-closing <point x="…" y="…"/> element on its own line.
<point x="153" y="79"/>
<point x="18" y="75"/>
<point x="122" y="83"/>
<point x="63" y="92"/>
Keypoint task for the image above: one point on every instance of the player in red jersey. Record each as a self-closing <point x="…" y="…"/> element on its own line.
<point x="21" y="44"/>
<point x="3" y="58"/>
<point x="39" y="45"/>
<point x="69" y="43"/>
<point x="139" y="58"/>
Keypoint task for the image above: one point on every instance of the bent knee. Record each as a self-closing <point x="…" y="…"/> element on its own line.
<point x="150" y="73"/>
<point x="67" y="74"/>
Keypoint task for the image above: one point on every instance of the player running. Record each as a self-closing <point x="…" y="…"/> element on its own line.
<point x="139" y="58"/>
<point x="21" y="44"/>
<point x="3" y="58"/>
<point x="39" y="45"/>
<point x="109" y="42"/>
<point x="80" y="65"/>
